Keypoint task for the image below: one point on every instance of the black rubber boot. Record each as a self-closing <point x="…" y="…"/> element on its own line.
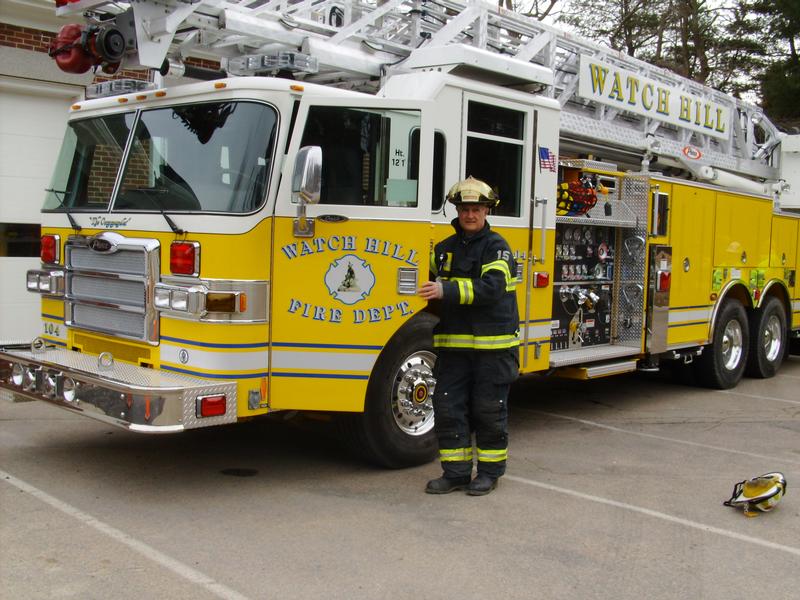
<point x="481" y="485"/>
<point x="445" y="485"/>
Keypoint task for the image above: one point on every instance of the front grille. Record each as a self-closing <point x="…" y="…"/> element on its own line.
<point x="108" y="320"/>
<point x="122" y="261"/>
<point x="110" y="289"/>
<point x="103" y="289"/>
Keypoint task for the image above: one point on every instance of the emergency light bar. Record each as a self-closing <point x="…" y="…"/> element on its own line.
<point x="117" y="87"/>
<point x="296" y="62"/>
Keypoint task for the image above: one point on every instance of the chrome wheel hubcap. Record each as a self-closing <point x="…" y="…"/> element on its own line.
<point x="732" y="345"/>
<point x="772" y="339"/>
<point x="412" y="393"/>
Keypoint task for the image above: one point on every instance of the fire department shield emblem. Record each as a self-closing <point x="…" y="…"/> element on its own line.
<point x="349" y="279"/>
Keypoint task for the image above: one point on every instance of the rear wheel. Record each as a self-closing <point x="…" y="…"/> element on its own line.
<point x="396" y="428"/>
<point x="768" y="339"/>
<point x="722" y="363"/>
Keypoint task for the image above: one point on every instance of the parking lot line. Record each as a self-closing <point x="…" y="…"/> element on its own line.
<point x="658" y="515"/>
<point x="754" y="397"/>
<point x="142" y="548"/>
<point x="662" y="437"/>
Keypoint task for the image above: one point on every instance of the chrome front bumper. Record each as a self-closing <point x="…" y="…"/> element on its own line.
<point x="128" y="396"/>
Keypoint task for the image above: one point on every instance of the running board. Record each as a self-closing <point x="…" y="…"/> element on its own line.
<point x="597" y="370"/>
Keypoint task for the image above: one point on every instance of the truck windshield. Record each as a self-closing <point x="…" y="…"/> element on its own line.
<point x="211" y="157"/>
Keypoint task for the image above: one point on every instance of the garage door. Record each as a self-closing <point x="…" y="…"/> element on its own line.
<point x="32" y="121"/>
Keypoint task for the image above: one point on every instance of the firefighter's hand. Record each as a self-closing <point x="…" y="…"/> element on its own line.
<point x="431" y="290"/>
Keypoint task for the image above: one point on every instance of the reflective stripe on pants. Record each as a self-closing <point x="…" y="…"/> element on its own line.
<point x="471" y="395"/>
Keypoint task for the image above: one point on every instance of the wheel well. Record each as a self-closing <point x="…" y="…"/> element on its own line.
<point x="424" y="315"/>
<point x="777" y="289"/>
<point x="735" y="291"/>
<point x="738" y="292"/>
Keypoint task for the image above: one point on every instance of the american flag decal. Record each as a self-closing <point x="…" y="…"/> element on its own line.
<point x="547" y="160"/>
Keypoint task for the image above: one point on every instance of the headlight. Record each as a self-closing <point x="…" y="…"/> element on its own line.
<point x="16" y="374"/>
<point x="69" y="389"/>
<point x="44" y="283"/>
<point x="29" y="378"/>
<point x="32" y="281"/>
<point x="161" y="297"/>
<point x="179" y="300"/>
<point x="49" y="384"/>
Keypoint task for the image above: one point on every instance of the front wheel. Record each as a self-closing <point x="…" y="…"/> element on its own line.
<point x="396" y="428"/>
<point x="768" y="340"/>
<point x="722" y="363"/>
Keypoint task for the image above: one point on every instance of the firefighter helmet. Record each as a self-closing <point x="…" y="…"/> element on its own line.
<point x="472" y="191"/>
<point x="762" y="492"/>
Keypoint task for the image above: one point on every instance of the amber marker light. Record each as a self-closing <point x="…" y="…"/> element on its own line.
<point x="221" y="302"/>
<point x="122" y="100"/>
<point x="76" y="107"/>
<point x="220" y="85"/>
<point x="160" y="94"/>
<point x="296" y="88"/>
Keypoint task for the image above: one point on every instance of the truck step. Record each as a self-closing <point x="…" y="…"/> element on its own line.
<point x="597" y="370"/>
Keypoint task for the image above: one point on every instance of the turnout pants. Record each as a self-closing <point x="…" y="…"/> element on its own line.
<point x="471" y="395"/>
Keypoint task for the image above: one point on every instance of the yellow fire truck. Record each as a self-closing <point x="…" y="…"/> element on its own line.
<point x="238" y="246"/>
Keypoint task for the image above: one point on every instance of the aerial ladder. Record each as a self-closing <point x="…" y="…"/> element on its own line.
<point x="618" y="107"/>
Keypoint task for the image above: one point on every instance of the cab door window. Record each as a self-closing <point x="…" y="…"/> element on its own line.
<point x="495" y="145"/>
<point x="366" y="154"/>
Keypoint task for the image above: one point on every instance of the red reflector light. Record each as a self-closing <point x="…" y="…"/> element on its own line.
<point x="184" y="258"/>
<point x="211" y="406"/>
<point x="49" y="250"/>
<point x="664" y="281"/>
<point x="541" y="279"/>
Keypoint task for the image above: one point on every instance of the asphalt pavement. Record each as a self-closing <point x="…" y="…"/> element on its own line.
<point x="614" y="490"/>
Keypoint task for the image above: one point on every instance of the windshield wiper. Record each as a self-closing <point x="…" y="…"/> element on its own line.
<point x="153" y="192"/>
<point x="72" y="220"/>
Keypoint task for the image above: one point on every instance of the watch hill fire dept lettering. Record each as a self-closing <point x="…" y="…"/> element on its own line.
<point x="349" y="278"/>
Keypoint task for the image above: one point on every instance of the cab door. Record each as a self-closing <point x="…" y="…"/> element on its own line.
<point x="345" y="274"/>
<point x="503" y="141"/>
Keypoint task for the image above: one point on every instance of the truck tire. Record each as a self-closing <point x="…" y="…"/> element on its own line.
<point x="722" y="363"/>
<point x="396" y="428"/>
<point x="767" y="340"/>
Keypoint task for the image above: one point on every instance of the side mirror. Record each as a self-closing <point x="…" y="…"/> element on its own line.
<point x="307" y="179"/>
<point x="306" y="187"/>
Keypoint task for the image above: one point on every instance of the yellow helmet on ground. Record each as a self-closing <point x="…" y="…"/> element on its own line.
<point x="472" y="191"/>
<point x="762" y="492"/>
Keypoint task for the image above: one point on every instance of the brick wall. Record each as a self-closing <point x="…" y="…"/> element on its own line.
<point x="137" y="174"/>
<point x="37" y="40"/>
<point x="103" y="173"/>
<point x="25" y="38"/>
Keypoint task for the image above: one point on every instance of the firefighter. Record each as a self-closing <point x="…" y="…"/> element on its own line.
<point x="477" y="342"/>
